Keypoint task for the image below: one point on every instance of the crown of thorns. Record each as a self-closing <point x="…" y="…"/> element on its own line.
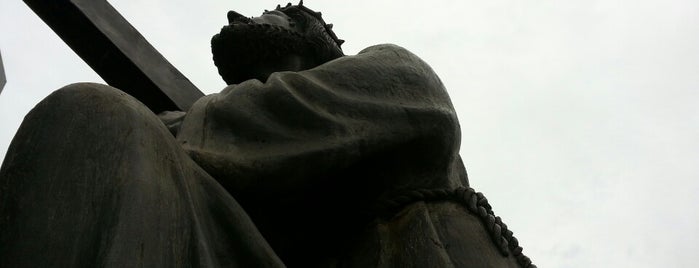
<point x="314" y="14"/>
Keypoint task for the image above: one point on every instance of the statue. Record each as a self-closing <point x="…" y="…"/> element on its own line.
<point x="309" y="158"/>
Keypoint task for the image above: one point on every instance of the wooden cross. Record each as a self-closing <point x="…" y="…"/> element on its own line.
<point x="117" y="52"/>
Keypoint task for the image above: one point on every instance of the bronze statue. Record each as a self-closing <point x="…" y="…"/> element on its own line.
<point x="309" y="158"/>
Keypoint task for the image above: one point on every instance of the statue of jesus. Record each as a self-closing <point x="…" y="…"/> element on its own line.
<point x="308" y="158"/>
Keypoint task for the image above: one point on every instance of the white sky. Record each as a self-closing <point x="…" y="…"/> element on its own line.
<point x="579" y="118"/>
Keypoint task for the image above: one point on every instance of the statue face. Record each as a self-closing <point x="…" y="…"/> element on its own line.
<point x="293" y="38"/>
<point x="254" y="48"/>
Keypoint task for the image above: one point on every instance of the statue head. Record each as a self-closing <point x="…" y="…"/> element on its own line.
<point x="290" y="38"/>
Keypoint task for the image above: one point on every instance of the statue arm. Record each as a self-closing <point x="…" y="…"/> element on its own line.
<point x="172" y="120"/>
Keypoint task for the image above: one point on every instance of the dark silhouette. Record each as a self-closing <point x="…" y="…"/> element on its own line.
<point x="308" y="158"/>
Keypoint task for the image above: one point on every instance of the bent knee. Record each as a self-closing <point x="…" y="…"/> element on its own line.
<point x="80" y="105"/>
<point x="92" y="110"/>
<point x="91" y="98"/>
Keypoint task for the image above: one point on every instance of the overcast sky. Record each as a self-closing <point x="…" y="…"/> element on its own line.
<point x="579" y="118"/>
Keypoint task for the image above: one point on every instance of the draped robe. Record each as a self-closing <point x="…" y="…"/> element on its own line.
<point x="282" y="173"/>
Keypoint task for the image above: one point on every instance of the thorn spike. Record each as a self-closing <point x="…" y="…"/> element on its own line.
<point x="330" y="26"/>
<point x="300" y="2"/>
<point x="279" y="7"/>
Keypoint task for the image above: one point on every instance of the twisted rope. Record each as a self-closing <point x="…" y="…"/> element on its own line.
<point x="474" y="202"/>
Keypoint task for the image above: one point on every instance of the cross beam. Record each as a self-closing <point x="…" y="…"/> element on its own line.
<point x="117" y="52"/>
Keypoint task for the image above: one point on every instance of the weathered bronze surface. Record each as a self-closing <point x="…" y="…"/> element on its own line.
<point x="309" y="158"/>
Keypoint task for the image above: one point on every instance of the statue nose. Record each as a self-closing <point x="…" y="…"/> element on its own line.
<point x="235" y="16"/>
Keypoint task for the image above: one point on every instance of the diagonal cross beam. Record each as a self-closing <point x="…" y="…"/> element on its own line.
<point x="117" y="52"/>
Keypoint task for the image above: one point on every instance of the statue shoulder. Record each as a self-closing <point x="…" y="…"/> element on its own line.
<point x="398" y="57"/>
<point x="394" y="51"/>
<point x="392" y="48"/>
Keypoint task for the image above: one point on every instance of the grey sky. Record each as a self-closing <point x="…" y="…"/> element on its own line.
<point x="578" y="118"/>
